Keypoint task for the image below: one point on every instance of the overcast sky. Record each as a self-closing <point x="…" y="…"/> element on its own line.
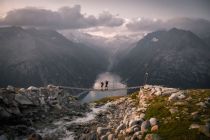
<point x="100" y="17"/>
<point x="163" y="9"/>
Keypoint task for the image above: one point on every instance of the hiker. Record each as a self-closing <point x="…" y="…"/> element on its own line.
<point x="106" y="85"/>
<point x="102" y="85"/>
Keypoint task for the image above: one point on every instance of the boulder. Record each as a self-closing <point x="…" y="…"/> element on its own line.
<point x="22" y="90"/>
<point x="13" y="110"/>
<point x="104" y="137"/>
<point x="137" y="135"/>
<point x="176" y="96"/>
<point x="34" y="136"/>
<point x="181" y="96"/>
<point x="135" y="122"/>
<point x="195" y="116"/>
<point x="194" y="126"/>
<point x="110" y="137"/>
<point x="154" y="128"/>
<point x="145" y="126"/>
<point x="102" y="130"/>
<point x="120" y="127"/>
<point x="32" y="88"/>
<point x="132" y="129"/>
<point x="201" y="104"/>
<point x="21" y="99"/>
<point x="153" y="121"/>
<point x="158" y="92"/>
<point x="142" y="115"/>
<point x="205" y="130"/>
<point x="4" y="113"/>
<point x="10" y="88"/>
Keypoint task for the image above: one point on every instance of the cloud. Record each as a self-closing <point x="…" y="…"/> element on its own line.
<point x="199" y="26"/>
<point x="144" y="24"/>
<point x="63" y="18"/>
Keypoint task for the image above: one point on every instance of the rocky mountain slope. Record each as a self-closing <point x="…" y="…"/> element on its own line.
<point x="154" y="113"/>
<point x="24" y="111"/>
<point x="39" y="57"/>
<point x="175" y="58"/>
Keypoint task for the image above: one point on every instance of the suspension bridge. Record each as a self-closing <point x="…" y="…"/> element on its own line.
<point x="98" y="89"/>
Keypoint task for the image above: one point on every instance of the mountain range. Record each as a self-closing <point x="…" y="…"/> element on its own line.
<point x="41" y="57"/>
<point x="175" y="58"/>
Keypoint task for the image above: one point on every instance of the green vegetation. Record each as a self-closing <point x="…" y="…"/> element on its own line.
<point x="176" y="126"/>
<point x="107" y="99"/>
<point x="157" y="109"/>
<point x="134" y="97"/>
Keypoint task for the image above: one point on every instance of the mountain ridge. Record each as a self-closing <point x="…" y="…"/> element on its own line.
<point x="40" y="57"/>
<point x="176" y="58"/>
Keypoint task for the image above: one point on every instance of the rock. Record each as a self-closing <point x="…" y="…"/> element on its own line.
<point x="22" y="90"/>
<point x="120" y="127"/>
<point x="102" y="130"/>
<point x="195" y="116"/>
<point x="13" y="110"/>
<point x="104" y="137"/>
<point x="137" y="135"/>
<point x="158" y="93"/>
<point x="153" y="121"/>
<point x="3" y="137"/>
<point x="22" y="99"/>
<point x="128" y="138"/>
<point x="142" y="115"/>
<point x="132" y="129"/>
<point x="194" y="126"/>
<point x="10" y="88"/>
<point x="58" y="106"/>
<point x="135" y="122"/>
<point x="173" y="97"/>
<point x="181" y="96"/>
<point x="154" y="128"/>
<point x="110" y="137"/>
<point x="34" y="136"/>
<point x="145" y="125"/>
<point x="51" y="86"/>
<point x="202" y="104"/>
<point x="169" y="91"/>
<point x="176" y="96"/>
<point x="205" y="130"/>
<point x="32" y="88"/>
<point x="4" y="113"/>
<point x="152" y="137"/>
<point x="173" y="110"/>
<point x="189" y="98"/>
<point x="135" y="129"/>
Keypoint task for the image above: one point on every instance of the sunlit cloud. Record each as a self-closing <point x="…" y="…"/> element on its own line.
<point x="63" y="18"/>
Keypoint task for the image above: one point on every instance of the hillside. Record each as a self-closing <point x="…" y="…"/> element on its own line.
<point x="175" y="58"/>
<point x="39" y="57"/>
<point x="154" y="113"/>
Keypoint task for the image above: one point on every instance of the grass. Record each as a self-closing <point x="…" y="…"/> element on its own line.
<point x="157" y="109"/>
<point x="178" y="129"/>
<point x="171" y="127"/>
<point x="106" y="100"/>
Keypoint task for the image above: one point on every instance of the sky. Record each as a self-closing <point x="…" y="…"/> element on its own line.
<point x="106" y="18"/>
<point x="163" y="9"/>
